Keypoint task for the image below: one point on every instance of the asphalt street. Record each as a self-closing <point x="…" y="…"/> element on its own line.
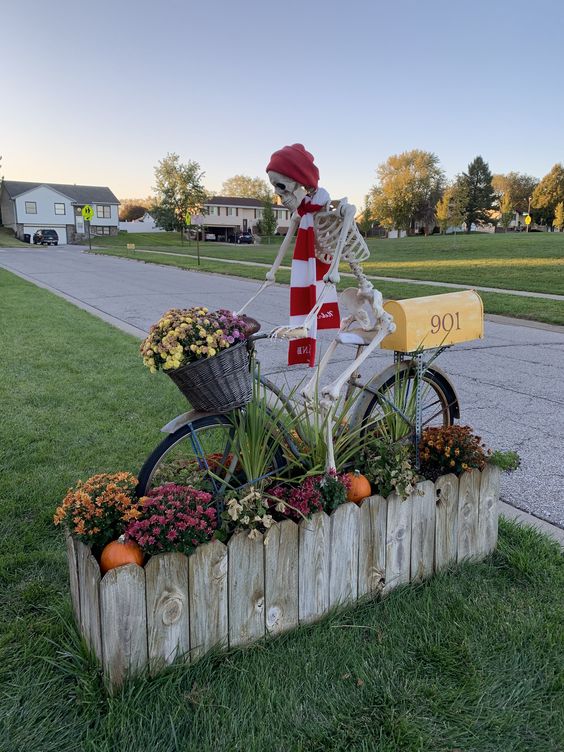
<point x="510" y="384"/>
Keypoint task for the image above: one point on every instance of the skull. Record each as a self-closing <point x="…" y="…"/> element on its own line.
<point x="291" y="193"/>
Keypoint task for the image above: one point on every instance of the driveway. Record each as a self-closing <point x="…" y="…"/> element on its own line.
<point x="509" y="384"/>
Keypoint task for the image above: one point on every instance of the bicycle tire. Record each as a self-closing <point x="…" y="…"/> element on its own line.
<point x="154" y="472"/>
<point x="441" y="410"/>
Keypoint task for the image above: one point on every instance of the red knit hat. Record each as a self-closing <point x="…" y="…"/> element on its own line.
<point x="297" y="163"/>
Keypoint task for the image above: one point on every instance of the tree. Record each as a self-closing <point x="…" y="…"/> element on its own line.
<point x="409" y="185"/>
<point x="476" y="187"/>
<point x="449" y="210"/>
<point x="548" y="194"/>
<point x="268" y="222"/>
<point x="129" y="210"/>
<point x="179" y="191"/>
<point x="366" y="220"/>
<point x="243" y="186"/>
<point x="519" y="186"/>
<point x="558" y="220"/>
<point x="506" y="210"/>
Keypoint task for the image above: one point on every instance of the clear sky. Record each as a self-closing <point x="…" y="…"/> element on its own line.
<point x="98" y="92"/>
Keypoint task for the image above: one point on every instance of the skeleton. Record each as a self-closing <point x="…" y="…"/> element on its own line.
<point x="336" y="238"/>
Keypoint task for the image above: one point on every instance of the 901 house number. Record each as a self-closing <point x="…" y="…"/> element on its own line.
<point x="445" y="323"/>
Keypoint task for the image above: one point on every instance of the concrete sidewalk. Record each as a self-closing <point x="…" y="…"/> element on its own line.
<point x="509" y="384"/>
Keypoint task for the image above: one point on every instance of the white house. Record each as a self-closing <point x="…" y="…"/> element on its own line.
<point x="146" y="223"/>
<point x="27" y="207"/>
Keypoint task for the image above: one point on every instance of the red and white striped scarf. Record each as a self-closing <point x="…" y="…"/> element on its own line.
<point x="306" y="283"/>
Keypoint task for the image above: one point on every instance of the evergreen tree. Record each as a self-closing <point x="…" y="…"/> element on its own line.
<point x="476" y="185"/>
<point x="366" y="220"/>
<point x="268" y="221"/>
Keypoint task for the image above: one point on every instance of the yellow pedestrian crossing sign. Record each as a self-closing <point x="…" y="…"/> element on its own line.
<point x="87" y="212"/>
<point x="528" y="219"/>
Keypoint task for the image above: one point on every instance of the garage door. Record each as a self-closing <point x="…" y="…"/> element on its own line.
<point x="61" y="231"/>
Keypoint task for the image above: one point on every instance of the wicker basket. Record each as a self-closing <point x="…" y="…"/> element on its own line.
<point x="217" y="384"/>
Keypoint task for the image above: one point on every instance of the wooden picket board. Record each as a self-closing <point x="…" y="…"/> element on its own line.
<point x="124" y="622"/>
<point x="398" y="541"/>
<point x="89" y="583"/>
<point x="343" y="555"/>
<point x="313" y="565"/>
<point x="246" y="588"/>
<point x="168" y="624"/>
<point x="73" y="575"/>
<point x="208" y="597"/>
<point x="468" y="505"/>
<point x="372" y="545"/>
<point x="422" y="531"/>
<point x="281" y="577"/>
<point x="488" y="510"/>
<point x="446" y="523"/>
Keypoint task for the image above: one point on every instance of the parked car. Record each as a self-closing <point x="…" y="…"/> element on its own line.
<point x="210" y="236"/>
<point x="245" y="237"/>
<point x="46" y="237"/>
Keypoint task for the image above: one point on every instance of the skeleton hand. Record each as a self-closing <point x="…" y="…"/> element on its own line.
<point x="289" y="332"/>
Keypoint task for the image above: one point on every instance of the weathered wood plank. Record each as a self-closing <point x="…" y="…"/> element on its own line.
<point x="446" y="522"/>
<point x="468" y="504"/>
<point x="246" y="588"/>
<point x="281" y="577"/>
<point x="208" y="596"/>
<point x="168" y="623"/>
<point x="313" y="565"/>
<point x="372" y="545"/>
<point x="398" y="542"/>
<point x="89" y="589"/>
<point x="488" y="510"/>
<point x="343" y="557"/>
<point x="124" y="622"/>
<point x="422" y="531"/>
<point x="73" y="576"/>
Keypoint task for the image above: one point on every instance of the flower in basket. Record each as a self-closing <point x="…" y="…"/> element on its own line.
<point x="97" y="510"/>
<point x="185" y="335"/>
<point x="173" y="518"/>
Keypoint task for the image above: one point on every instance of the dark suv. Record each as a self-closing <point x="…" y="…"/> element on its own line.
<point x="245" y="237"/>
<point x="46" y="237"/>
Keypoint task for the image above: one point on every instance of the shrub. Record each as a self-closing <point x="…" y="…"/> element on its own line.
<point x="316" y="493"/>
<point x="388" y="466"/>
<point x="453" y="449"/>
<point x="173" y="518"/>
<point x="97" y="510"/>
<point x="507" y="461"/>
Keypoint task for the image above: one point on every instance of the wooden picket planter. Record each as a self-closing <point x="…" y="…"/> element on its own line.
<point x="175" y="606"/>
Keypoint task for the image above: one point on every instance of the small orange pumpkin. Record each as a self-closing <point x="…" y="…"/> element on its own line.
<point x="360" y="487"/>
<point x="118" y="552"/>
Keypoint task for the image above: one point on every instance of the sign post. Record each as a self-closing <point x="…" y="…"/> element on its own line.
<point x="88" y="213"/>
<point x="198" y="221"/>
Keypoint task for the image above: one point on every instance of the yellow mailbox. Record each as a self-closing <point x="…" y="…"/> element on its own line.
<point x="435" y="321"/>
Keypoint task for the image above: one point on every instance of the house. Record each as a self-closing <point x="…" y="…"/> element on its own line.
<point x="27" y="207"/>
<point x="146" y="223"/>
<point x="226" y="216"/>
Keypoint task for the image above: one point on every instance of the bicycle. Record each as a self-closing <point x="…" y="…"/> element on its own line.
<point x="201" y="447"/>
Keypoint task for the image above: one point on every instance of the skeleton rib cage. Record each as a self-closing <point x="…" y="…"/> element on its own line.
<point x="335" y="226"/>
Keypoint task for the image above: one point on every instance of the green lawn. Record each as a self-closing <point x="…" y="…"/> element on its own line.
<point x="503" y="303"/>
<point x="471" y="660"/>
<point x="7" y="239"/>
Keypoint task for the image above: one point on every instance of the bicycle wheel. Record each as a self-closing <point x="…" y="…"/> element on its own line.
<point x="439" y="404"/>
<point x="200" y="454"/>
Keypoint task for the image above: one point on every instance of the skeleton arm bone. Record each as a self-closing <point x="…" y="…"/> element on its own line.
<point x="347" y="212"/>
<point x="271" y="273"/>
